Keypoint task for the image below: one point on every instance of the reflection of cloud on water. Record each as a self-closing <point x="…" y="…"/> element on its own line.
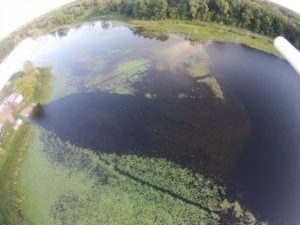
<point x="14" y="61"/>
<point x="176" y="54"/>
<point x="28" y="49"/>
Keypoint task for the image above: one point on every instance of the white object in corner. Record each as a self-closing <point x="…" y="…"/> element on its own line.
<point x="291" y="54"/>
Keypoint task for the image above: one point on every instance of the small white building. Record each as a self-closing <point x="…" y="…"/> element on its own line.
<point x="17" y="124"/>
<point x="14" y="98"/>
<point x="1" y="125"/>
<point x="2" y="106"/>
<point x="19" y="99"/>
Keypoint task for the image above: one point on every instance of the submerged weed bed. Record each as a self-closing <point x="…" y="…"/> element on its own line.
<point x="64" y="184"/>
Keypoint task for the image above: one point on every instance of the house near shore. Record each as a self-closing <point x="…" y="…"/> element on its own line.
<point x="14" y="98"/>
<point x="6" y="109"/>
<point x="28" y="110"/>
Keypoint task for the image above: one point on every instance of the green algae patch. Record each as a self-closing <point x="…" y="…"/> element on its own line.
<point x="132" y="69"/>
<point x="214" y="86"/>
<point x="126" y="74"/>
<point x="197" y="66"/>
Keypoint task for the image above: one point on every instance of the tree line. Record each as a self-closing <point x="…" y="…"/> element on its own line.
<point x="257" y="16"/>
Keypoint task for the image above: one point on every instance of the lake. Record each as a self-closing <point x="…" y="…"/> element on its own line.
<point x="222" y="109"/>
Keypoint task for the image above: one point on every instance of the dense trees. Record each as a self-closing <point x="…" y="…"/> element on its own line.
<point x="150" y="9"/>
<point x="27" y="83"/>
<point x="258" y="16"/>
<point x="34" y="83"/>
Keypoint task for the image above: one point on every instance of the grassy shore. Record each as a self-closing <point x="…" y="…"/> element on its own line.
<point x="194" y="30"/>
<point x="14" y="144"/>
<point x="206" y="32"/>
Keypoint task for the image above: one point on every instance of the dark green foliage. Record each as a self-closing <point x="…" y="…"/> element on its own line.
<point x="150" y="9"/>
<point x="261" y="18"/>
<point x="34" y="83"/>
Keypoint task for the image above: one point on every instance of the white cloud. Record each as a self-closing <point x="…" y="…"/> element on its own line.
<point x="290" y="4"/>
<point x="15" y="13"/>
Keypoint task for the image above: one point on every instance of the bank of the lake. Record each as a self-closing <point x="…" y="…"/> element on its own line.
<point x="15" y="145"/>
<point x="196" y="30"/>
<point x="15" y="142"/>
<point x="203" y="32"/>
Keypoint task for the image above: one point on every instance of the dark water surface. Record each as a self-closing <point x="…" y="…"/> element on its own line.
<point x="251" y="137"/>
<point x="270" y="90"/>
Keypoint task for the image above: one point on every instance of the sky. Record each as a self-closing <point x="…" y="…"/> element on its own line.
<point x="14" y="13"/>
<point x="291" y="4"/>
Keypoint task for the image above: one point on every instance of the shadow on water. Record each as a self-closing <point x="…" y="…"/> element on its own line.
<point x="270" y="90"/>
<point x="187" y="131"/>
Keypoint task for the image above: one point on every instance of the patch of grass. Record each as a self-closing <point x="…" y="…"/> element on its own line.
<point x="14" y="145"/>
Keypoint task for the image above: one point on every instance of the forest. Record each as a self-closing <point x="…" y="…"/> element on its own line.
<point x="258" y="16"/>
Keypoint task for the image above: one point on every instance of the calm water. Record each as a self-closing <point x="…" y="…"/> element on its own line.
<point x="250" y="138"/>
<point x="270" y="90"/>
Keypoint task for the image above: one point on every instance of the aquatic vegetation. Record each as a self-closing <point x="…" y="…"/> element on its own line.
<point x="150" y="95"/>
<point x="87" y="188"/>
<point x="197" y="66"/>
<point x="61" y="86"/>
<point x="132" y="69"/>
<point x="126" y="74"/>
<point x="214" y="86"/>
